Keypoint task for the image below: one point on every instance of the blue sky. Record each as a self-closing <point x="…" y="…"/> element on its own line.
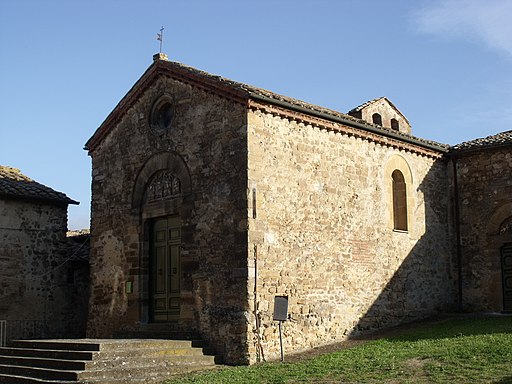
<point x="64" y="65"/>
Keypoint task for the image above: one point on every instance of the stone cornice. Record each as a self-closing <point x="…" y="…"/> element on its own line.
<point x="344" y="128"/>
<point x="258" y="98"/>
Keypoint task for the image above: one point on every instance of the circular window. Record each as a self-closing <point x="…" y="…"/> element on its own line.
<point x="161" y="114"/>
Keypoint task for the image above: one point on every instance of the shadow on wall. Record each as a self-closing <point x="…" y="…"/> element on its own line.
<point x="425" y="283"/>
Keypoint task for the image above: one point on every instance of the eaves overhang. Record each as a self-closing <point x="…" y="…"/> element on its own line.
<point x="352" y="122"/>
<point x="242" y="93"/>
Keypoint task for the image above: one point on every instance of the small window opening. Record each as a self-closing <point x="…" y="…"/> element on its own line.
<point x="162" y="113"/>
<point x="377" y="119"/>
<point x="399" y="201"/>
<point x="394" y="124"/>
<point x="163" y="116"/>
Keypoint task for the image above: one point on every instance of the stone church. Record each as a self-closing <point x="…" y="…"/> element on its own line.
<point x="212" y="197"/>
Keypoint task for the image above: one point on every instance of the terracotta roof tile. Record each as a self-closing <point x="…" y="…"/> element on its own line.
<point x="500" y="139"/>
<point x="241" y="91"/>
<point x="296" y="102"/>
<point x="364" y="105"/>
<point x="14" y="184"/>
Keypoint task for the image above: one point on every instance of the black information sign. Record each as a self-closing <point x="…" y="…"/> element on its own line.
<point x="281" y="308"/>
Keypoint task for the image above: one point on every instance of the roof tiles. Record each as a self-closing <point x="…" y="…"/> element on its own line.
<point x="246" y="91"/>
<point x="500" y="139"/>
<point x="15" y="185"/>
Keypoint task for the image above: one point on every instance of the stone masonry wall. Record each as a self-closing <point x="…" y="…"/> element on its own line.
<point x="33" y="279"/>
<point x="208" y="138"/>
<point x="485" y="186"/>
<point x="321" y="233"/>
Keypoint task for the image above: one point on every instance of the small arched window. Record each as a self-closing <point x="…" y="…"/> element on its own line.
<point x="377" y="119"/>
<point x="399" y="201"/>
<point x="394" y="124"/>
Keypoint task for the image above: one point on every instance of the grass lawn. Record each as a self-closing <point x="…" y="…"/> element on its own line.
<point x="461" y="350"/>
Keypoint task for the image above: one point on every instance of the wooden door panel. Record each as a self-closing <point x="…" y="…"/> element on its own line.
<point x="506" y="273"/>
<point x="165" y="269"/>
<point x="175" y="261"/>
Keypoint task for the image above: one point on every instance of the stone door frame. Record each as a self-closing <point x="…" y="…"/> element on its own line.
<point x="506" y="276"/>
<point x="498" y="237"/>
<point x="178" y="205"/>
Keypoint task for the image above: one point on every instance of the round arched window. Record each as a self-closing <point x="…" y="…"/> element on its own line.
<point x="162" y="114"/>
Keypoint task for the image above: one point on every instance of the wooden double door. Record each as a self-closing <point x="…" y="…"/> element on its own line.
<point x="506" y="276"/>
<point x="165" y="268"/>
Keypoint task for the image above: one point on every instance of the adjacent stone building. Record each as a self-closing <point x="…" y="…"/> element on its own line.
<point x="35" y="296"/>
<point x="210" y="197"/>
<point x="482" y="171"/>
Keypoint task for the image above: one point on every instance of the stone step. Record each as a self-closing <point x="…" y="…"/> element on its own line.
<point x="101" y="361"/>
<point x="110" y="363"/>
<point x="170" y="331"/>
<point x="23" y="361"/>
<point x="103" y="355"/>
<point x="156" y="334"/>
<point x="128" y="373"/>
<point x="38" y="373"/>
<point x="13" y="379"/>
<point x="106" y="344"/>
<point x="48" y="353"/>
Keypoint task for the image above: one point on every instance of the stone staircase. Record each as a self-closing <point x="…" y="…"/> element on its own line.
<point x="94" y="361"/>
<point x="170" y="331"/>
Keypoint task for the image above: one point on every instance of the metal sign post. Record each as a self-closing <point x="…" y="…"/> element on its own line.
<point x="281" y="314"/>
<point x="281" y="341"/>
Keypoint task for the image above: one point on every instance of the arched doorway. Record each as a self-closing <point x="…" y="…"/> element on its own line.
<point x="499" y="251"/>
<point x="162" y="197"/>
<point x="506" y="276"/>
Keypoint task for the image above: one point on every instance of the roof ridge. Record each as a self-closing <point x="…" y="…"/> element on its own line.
<point x="240" y="92"/>
<point x="6" y="170"/>
<point x="361" y="106"/>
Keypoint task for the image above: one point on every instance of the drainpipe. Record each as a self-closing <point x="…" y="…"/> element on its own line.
<point x="457" y="232"/>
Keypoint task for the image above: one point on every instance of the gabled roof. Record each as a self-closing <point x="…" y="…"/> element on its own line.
<point x="15" y="185"/>
<point x="374" y="101"/>
<point x="498" y="140"/>
<point x="242" y="93"/>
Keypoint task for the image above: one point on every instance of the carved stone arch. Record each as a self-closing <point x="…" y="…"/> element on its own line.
<point x="399" y="163"/>
<point x="495" y="251"/>
<point x="166" y="166"/>
<point x="164" y="161"/>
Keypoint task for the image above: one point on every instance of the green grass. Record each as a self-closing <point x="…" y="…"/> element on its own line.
<point x="476" y="350"/>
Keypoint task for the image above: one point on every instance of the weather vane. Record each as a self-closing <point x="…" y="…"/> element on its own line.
<point x="160" y="37"/>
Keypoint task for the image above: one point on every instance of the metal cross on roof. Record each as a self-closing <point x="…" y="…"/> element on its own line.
<point x="160" y="37"/>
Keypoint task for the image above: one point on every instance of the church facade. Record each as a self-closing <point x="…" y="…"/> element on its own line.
<point x="212" y="197"/>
